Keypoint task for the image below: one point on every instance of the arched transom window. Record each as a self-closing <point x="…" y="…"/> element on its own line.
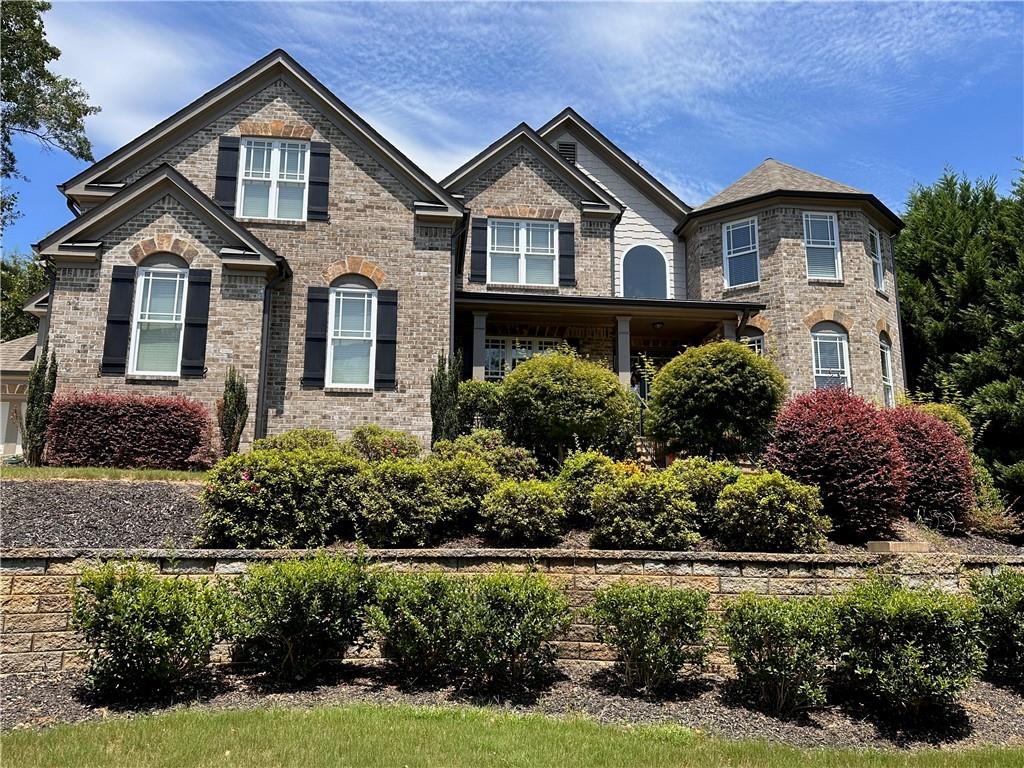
<point x="831" y="350"/>
<point x="644" y="273"/>
<point x="352" y="332"/>
<point x="158" y="317"/>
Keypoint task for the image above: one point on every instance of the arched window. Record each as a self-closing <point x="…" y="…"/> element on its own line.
<point x="753" y="338"/>
<point x="158" y="317"/>
<point x="644" y="273"/>
<point x="351" y="332"/>
<point x="831" y="350"/>
<point x="888" y="391"/>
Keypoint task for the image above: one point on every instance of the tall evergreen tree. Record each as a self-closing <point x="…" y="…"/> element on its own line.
<point x="42" y="382"/>
<point x="444" y="398"/>
<point x="232" y="411"/>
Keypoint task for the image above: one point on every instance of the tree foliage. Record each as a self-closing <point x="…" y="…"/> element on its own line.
<point x="42" y="381"/>
<point x="444" y="398"/>
<point x="232" y="411"/>
<point x="20" y="279"/>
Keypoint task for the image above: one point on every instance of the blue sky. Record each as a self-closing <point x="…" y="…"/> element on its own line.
<point x="875" y="95"/>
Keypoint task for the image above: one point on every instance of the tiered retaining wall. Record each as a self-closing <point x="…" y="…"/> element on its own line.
<point x="36" y="584"/>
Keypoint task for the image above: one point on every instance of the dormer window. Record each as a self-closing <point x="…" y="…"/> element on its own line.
<point x="272" y="179"/>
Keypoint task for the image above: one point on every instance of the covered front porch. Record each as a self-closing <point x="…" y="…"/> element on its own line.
<point x="495" y="331"/>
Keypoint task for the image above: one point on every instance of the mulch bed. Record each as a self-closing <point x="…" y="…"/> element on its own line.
<point x="988" y="715"/>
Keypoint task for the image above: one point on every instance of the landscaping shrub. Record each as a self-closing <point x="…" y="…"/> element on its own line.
<point x="444" y="397"/>
<point x="374" y="443"/>
<point x="510" y="623"/>
<point x="479" y="405"/>
<point x="784" y="650"/>
<point x="462" y="481"/>
<point x="305" y="439"/>
<point x="522" y="513"/>
<point x="842" y="444"/>
<point x="1001" y="602"/>
<point x="940" y="490"/>
<point x="399" y="505"/>
<point x="42" y="381"/>
<point x="146" y="635"/>
<point x="769" y="512"/>
<point x="271" y="499"/>
<point x="294" y="615"/>
<point x="580" y="474"/>
<point x="717" y="399"/>
<point x="555" y="402"/>
<point x="97" y="429"/>
<point x="954" y="417"/>
<point x="511" y="462"/>
<point x="420" y="619"/>
<point x="704" y="480"/>
<point x="232" y="411"/>
<point x="645" y="510"/>
<point x="908" y="650"/>
<point x="655" y="631"/>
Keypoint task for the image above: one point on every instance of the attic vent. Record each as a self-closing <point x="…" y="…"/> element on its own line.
<point x="567" y="149"/>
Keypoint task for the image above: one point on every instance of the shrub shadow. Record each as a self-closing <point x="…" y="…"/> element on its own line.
<point x="936" y="727"/>
<point x="526" y="696"/>
<point x="732" y="694"/>
<point x="610" y="681"/>
<point x="198" y="691"/>
<point x="327" y="675"/>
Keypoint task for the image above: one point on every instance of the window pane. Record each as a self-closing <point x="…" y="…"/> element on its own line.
<point x="351" y="362"/>
<point x="504" y="236"/>
<point x="504" y="269"/>
<point x="157" y="348"/>
<point x="289" y="200"/>
<point x="540" y="239"/>
<point x="540" y="270"/>
<point x="164" y="298"/>
<point x="821" y="262"/>
<point x="742" y="269"/>
<point x="353" y="318"/>
<point x="819" y="229"/>
<point x="256" y="198"/>
<point x="257" y="159"/>
<point x="494" y="359"/>
<point x="740" y="237"/>
<point x="292" y="163"/>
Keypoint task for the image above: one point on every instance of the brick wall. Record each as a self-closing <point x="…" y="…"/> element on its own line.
<point x="35" y="584"/>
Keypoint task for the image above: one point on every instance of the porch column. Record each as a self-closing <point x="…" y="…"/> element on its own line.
<point x="479" y="332"/>
<point x="729" y="329"/>
<point x="622" y="350"/>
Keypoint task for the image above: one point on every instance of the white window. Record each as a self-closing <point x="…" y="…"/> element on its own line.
<point x="352" y="334"/>
<point x="755" y="341"/>
<point x="831" y="350"/>
<point x="739" y="253"/>
<point x="821" y="241"/>
<point x="877" y="264"/>
<point x="503" y="353"/>
<point x="888" y="392"/>
<point x="272" y="179"/>
<point x="158" y="320"/>
<point x="522" y="252"/>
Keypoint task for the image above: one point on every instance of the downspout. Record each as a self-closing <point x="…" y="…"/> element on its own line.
<point x="457" y="253"/>
<point x="260" y="429"/>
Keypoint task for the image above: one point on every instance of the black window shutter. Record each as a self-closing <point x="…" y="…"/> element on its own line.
<point x="197" y="319"/>
<point x="387" y="340"/>
<point x="227" y="173"/>
<point x="314" y="364"/>
<point x="566" y="253"/>
<point x="478" y="252"/>
<point x="119" y="322"/>
<point x="319" y="181"/>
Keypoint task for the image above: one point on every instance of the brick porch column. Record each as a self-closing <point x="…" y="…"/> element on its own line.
<point x="622" y="350"/>
<point x="479" y="332"/>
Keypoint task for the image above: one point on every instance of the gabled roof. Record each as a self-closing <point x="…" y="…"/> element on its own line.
<point x="596" y="200"/>
<point x="104" y="176"/>
<point x="38" y="305"/>
<point x="570" y="120"/>
<point x="80" y="239"/>
<point x="17" y="356"/>
<point x="772" y="179"/>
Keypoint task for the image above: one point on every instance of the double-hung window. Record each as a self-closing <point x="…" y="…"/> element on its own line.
<point x="877" y="264"/>
<point x="755" y="341"/>
<point x="522" y="252"/>
<point x="821" y="241"/>
<point x="352" y="333"/>
<point x="888" y="392"/>
<point x="503" y="353"/>
<point x="272" y="179"/>
<point x="831" y="351"/>
<point x="739" y="253"/>
<point x="159" y="320"/>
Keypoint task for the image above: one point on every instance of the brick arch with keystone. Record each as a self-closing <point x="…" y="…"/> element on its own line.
<point x="163" y="243"/>
<point x="354" y="265"/>
<point x="829" y="314"/>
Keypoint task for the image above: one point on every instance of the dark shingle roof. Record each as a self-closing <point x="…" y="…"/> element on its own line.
<point x="773" y="176"/>
<point x="18" y="355"/>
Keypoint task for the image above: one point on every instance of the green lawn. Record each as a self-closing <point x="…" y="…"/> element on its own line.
<point x="21" y="472"/>
<point x="365" y="735"/>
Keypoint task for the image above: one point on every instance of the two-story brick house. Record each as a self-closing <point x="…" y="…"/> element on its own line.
<point x="266" y="226"/>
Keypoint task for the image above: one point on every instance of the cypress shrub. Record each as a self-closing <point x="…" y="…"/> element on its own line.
<point x="232" y="411"/>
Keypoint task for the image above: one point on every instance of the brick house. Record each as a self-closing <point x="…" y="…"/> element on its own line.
<point x="266" y="226"/>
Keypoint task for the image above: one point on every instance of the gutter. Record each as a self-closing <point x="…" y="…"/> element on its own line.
<point x="260" y="427"/>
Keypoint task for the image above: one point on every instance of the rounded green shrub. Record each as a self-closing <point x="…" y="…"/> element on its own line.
<point x="784" y="650"/>
<point x="580" y="474"/>
<point x="399" y="504"/>
<point x="522" y="512"/>
<point x="1001" y="602"/>
<point x="655" y="631"/>
<point x="558" y="401"/>
<point x="462" y="481"/>
<point x="479" y="405"/>
<point x="643" y="510"/>
<point x="510" y="462"/>
<point x="718" y="399"/>
<point x="910" y="651"/>
<point x="305" y="439"/>
<point x="279" y="499"/>
<point x="295" y="615"/>
<point x="769" y="512"/>
<point x="146" y="635"/>
<point x="704" y="480"/>
<point x="374" y="443"/>
<point x="954" y="417"/>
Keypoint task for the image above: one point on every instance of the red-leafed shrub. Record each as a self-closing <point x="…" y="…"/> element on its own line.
<point x="96" y="429"/>
<point x="842" y="444"/>
<point x="940" y="482"/>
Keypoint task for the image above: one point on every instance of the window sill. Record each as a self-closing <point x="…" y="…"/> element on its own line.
<point x="825" y="281"/>
<point x="882" y="294"/>
<point x="744" y="287"/>
<point x="297" y="223"/>
<point x="151" y="377"/>
<point x="338" y="390"/>
<point x="521" y="287"/>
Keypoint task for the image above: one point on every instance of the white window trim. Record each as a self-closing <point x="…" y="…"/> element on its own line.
<point x="510" y="344"/>
<point x="844" y="339"/>
<point x="523" y="225"/>
<point x="332" y="302"/>
<point x="275" y="160"/>
<point x="888" y="388"/>
<point x="755" y="249"/>
<point x="837" y="245"/>
<point x="133" y="347"/>
<point x="756" y="343"/>
<point x="877" y="261"/>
